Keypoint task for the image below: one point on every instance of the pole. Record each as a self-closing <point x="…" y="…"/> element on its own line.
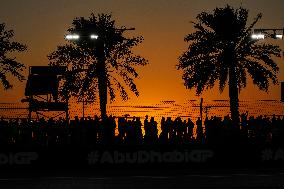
<point x="83" y="108"/>
<point x="201" y="109"/>
<point x="30" y="96"/>
<point x="67" y="111"/>
<point x="102" y="79"/>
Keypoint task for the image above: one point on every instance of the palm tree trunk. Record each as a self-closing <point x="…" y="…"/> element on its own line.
<point x="102" y="95"/>
<point x="102" y="81"/>
<point x="233" y="84"/>
<point x="234" y="96"/>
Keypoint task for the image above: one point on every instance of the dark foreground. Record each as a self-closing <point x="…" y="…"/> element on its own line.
<point x="175" y="179"/>
<point x="193" y="166"/>
<point x="87" y="155"/>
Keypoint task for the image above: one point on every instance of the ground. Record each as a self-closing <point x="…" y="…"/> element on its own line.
<point x="242" y="178"/>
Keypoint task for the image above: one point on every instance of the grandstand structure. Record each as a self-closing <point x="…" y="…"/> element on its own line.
<point x="42" y="92"/>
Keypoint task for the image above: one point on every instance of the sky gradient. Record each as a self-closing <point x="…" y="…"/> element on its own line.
<point x="41" y="25"/>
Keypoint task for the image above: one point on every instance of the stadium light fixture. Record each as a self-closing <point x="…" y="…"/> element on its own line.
<point x="72" y="36"/>
<point x="262" y="33"/>
<point x="258" y="36"/>
<point x="76" y="36"/>
<point x="93" y="36"/>
<point x="279" y="36"/>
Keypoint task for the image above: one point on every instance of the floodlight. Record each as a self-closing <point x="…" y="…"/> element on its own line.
<point x="72" y="37"/>
<point x="258" y="36"/>
<point x="93" y="36"/>
<point x="279" y="36"/>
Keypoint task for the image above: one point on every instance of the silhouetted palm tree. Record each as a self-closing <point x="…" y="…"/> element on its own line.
<point x="99" y="64"/>
<point x="8" y="65"/>
<point x="221" y="49"/>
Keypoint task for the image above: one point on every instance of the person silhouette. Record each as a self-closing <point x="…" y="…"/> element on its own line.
<point x="189" y="132"/>
<point x="153" y="130"/>
<point x="163" y="138"/>
<point x="199" y="130"/>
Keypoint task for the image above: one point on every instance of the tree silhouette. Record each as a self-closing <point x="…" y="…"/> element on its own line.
<point x="9" y="66"/>
<point x="99" y="64"/>
<point x="221" y="49"/>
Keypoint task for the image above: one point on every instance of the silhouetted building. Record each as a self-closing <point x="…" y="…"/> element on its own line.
<point x="42" y="90"/>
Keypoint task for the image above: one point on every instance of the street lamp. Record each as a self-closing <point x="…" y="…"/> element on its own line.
<point x="94" y="36"/>
<point x="91" y="36"/>
<point x="279" y="36"/>
<point x="257" y="36"/>
<point x="266" y="32"/>
<point x="101" y="65"/>
<point x="272" y="33"/>
<point x="72" y="36"/>
<point x="76" y="36"/>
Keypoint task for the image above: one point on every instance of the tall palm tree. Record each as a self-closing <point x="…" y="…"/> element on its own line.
<point x="221" y="49"/>
<point x="99" y="64"/>
<point x="9" y="65"/>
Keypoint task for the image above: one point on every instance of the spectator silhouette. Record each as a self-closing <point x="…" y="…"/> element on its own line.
<point x="199" y="131"/>
<point x="90" y="132"/>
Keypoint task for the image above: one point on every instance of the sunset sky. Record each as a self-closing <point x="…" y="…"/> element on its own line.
<point x="42" y="24"/>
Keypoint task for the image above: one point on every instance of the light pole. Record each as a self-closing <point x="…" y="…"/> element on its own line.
<point x="101" y="64"/>
<point x="75" y="37"/>
<point x="274" y="33"/>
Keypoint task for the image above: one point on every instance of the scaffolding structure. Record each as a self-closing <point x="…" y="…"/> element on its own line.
<point x="42" y="92"/>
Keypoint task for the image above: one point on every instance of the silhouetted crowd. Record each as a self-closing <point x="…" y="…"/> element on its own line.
<point x="90" y="132"/>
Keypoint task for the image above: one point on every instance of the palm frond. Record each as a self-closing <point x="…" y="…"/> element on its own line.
<point x="222" y="40"/>
<point x="83" y="57"/>
<point x="260" y="74"/>
<point x="6" y="84"/>
<point x="9" y="66"/>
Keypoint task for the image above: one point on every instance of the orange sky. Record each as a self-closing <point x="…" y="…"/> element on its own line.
<point x="163" y="23"/>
